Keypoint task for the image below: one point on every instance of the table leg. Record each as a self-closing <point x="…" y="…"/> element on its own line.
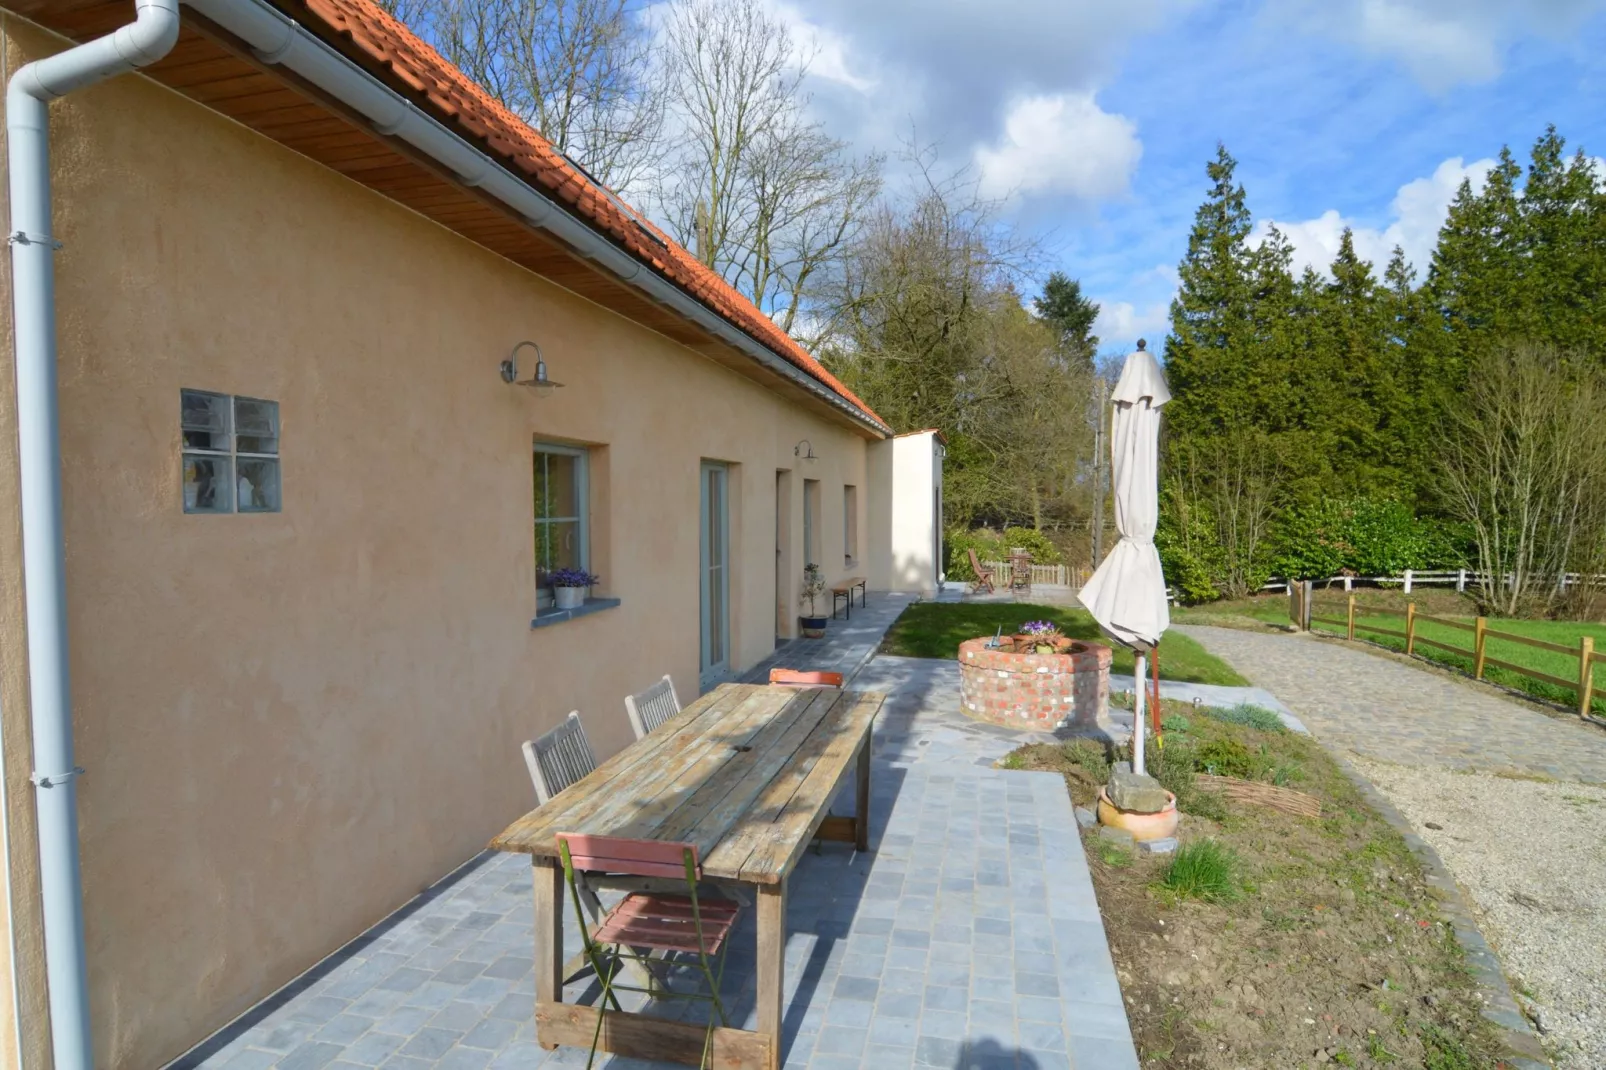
<point x="771" y="961"/>
<point x="861" y="820"/>
<point x="548" y="933"/>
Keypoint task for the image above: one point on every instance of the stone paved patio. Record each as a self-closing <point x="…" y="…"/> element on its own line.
<point x="969" y="937"/>
<point x="1390" y="711"/>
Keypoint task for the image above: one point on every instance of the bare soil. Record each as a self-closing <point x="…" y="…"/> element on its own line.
<point x="1332" y="953"/>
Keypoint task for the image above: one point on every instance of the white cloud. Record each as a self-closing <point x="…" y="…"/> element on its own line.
<point x="1443" y="43"/>
<point x="1121" y="323"/>
<point x="826" y="51"/>
<point x="1060" y="143"/>
<point x="1418" y="210"/>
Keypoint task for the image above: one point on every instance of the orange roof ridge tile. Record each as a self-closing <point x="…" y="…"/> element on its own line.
<point x="389" y="42"/>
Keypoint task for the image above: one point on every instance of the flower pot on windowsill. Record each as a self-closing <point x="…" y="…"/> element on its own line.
<point x="812" y="627"/>
<point x="569" y="597"/>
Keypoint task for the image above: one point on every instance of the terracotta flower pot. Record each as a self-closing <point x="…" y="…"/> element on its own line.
<point x="1141" y="826"/>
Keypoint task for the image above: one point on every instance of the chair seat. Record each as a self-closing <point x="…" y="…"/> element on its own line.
<point x="664" y="923"/>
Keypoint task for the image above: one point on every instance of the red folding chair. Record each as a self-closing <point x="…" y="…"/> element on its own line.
<point x="804" y="678"/>
<point x="642" y="922"/>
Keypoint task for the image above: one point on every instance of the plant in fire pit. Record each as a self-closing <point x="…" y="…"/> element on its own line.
<point x="812" y="622"/>
<point x="570" y="586"/>
<point x="1039" y="635"/>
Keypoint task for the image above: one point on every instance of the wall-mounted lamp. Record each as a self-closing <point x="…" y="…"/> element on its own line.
<point x="537" y="382"/>
<point x="805" y="450"/>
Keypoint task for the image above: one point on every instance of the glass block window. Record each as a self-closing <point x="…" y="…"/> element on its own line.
<point x="560" y="514"/>
<point x="230" y="453"/>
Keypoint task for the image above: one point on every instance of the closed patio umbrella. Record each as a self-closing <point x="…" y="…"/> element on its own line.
<point x="1127" y="593"/>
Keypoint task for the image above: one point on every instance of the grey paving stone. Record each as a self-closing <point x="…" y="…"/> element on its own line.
<point x="344" y="1028"/>
<point x="431" y="1043"/>
<point x="251" y="1059"/>
<point x="313" y="1055"/>
<point x="938" y="1051"/>
<point x="372" y="1049"/>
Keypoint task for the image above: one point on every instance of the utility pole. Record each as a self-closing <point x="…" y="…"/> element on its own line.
<point x="1098" y="472"/>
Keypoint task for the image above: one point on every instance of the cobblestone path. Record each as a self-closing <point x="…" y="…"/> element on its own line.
<point x="1392" y="712"/>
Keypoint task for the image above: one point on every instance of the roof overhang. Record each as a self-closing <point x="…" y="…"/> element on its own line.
<point x="560" y="227"/>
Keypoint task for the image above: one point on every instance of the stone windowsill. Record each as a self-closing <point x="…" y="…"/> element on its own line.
<point x="554" y="615"/>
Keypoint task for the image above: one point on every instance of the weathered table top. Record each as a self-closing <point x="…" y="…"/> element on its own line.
<point x="746" y="773"/>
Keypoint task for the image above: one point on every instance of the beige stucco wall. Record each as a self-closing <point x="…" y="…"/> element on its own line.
<point x="291" y="723"/>
<point x="904" y="527"/>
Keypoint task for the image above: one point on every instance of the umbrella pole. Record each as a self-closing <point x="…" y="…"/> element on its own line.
<point x="1137" y="716"/>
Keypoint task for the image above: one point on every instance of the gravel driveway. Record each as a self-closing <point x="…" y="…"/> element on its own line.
<point x="1529" y="852"/>
<point x="1533" y="858"/>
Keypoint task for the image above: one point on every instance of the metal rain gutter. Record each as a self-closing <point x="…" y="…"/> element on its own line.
<point x="33" y="281"/>
<point x="277" y="39"/>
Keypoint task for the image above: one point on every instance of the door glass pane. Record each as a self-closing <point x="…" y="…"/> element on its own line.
<point x="541" y="512"/>
<point x="563" y="491"/>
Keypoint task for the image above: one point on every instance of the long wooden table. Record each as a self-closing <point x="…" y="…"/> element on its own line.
<point x="746" y="773"/>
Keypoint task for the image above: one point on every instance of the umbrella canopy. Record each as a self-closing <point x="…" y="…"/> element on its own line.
<point x="1127" y="593"/>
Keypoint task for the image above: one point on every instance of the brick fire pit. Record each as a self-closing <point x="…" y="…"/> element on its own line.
<point x="1034" y="691"/>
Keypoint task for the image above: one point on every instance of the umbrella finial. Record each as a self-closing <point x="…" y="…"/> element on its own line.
<point x="1143" y="343"/>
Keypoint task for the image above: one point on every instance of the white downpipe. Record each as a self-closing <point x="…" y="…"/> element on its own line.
<point x="276" y="39"/>
<point x="1138" y="696"/>
<point x="146" y="40"/>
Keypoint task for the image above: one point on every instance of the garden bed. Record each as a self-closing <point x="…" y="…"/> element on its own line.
<point x="1271" y="939"/>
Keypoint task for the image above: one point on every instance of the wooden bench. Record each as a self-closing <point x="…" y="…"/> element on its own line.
<point x="844" y="590"/>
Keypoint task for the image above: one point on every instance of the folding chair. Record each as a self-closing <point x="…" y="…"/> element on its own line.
<point x="650" y="708"/>
<point x="802" y="678"/>
<point x="983" y="583"/>
<point x="683" y="925"/>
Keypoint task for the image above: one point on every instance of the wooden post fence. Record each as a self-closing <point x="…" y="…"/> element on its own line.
<point x="1351" y="617"/>
<point x="1480" y="635"/>
<point x="1586" y="674"/>
<point x="1410" y="628"/>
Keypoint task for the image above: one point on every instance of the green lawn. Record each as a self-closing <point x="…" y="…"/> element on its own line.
<point x="935" y="630"/>
<point x="1263" y="609"/>
<point x="1562" y="632"/>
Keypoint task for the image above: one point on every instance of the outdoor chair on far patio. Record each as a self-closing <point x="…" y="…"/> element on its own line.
<point x="804" y="678"/>
<point x="687" y="926"/>
<point x="559" y="758"/>
<point x="650" y="708"/>
<point x="983" y="583"/>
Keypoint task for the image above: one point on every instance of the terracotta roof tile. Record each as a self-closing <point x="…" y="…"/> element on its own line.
<point x="390" y="43"/>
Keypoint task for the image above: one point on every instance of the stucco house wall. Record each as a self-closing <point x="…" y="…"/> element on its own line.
<point x="292" y="722"/>
<point x="906" y="521"/>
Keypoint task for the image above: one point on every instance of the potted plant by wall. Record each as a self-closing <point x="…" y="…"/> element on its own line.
<point x="812" y="623"/>
<point x="570" y="586"/>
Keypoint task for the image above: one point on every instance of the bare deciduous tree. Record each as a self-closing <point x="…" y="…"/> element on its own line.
<point x="580" y="71"/>
<point x="1223" y="492"/>
<point x="1525" y="468"/>
<point x="756" y="189"/>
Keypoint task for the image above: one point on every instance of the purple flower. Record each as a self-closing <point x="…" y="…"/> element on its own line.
<point x="571" y="577"/>
<point x="1038" y="627"/>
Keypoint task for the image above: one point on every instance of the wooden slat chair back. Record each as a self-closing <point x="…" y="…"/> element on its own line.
<point x="983" y="583"/>
<point x="650" y="708"/>
<point x="803" y="678"/>
<point x="559" y="758"/>
<point x="644" y="923"/>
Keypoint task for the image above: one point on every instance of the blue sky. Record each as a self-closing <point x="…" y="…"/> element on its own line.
<point x="1093" y="119"/>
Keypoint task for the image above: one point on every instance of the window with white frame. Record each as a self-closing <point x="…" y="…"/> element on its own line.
<point x="561" y="538"/>
<point x="850" y="523"/>
<point x="230" y="453"/>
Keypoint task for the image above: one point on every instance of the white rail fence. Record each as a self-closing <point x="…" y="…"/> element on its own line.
<point x="1410" y="579"/>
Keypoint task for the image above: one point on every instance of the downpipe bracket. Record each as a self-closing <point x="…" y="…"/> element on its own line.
<point x="22" y="237"/>
<point x="55" y="780"/>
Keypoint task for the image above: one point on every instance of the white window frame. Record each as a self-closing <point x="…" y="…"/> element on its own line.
<point x="582" y="495"/>
<point x="233" y="455"/>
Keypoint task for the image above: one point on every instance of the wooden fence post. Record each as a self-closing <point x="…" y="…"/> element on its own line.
<point x="1586" y="674"/>
<point x="1351" y="617"/>
<point x="1307" y="596"/>
<point x="1410" y="626"/>
<point x="1479" y="637"/>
